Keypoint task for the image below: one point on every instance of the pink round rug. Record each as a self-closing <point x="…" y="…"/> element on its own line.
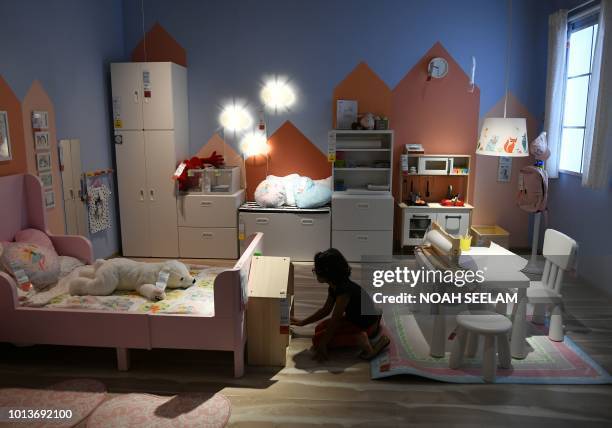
<point x="79" y="396"/>
<point x="153" y="411"/>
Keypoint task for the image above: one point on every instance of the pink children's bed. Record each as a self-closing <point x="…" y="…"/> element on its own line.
<point x="22" y="207"/>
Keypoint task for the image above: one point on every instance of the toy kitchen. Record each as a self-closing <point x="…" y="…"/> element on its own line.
<point x="433" y="189"/>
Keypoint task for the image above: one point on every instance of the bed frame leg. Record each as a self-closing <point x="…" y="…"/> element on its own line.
<point x="123" y="359"/>
<point x="239" y="362"/>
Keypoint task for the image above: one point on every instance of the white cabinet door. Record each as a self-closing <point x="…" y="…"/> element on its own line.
<point x="126" y="81"/>
<point x="362" y="213"/>
<point x="158" y="102"/>
<point x="133" y="206"/>
<point x="454" y="223"/>
<point x="77" y="172"/>
<point x="356" y="244"/>
<point x="161" y="193"/>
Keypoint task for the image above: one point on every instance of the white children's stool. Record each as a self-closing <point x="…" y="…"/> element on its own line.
<point x="492" y="326"/>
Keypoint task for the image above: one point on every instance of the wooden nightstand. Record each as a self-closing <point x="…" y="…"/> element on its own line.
<point x="268" y="310"/>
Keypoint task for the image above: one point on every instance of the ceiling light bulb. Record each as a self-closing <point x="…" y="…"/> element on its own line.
<point x="235" y="118"/>
<point x="277" y="95"/>
<point x="254" y="143"/>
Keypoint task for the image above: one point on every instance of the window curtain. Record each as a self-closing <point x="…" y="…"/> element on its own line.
<point x="598" y="133"/>
<point x="555" y="88"/>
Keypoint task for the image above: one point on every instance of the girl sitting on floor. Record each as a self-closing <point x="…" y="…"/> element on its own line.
<point x="349" y="325"/>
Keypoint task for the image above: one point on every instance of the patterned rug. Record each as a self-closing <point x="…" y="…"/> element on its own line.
<point x="153" y="411"/>
<point x="548" y="362"/>
<point x="79" y="397"/>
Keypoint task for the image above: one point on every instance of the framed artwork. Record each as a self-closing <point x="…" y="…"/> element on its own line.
<point x="49" y="199"/>
<point x="43" y="162"/>
<point x="5" y="140"/>
<point x="41" y="140"/>
<point x="40" y="120"/>
<point x="504" y="170"/>
<point x="46" y="178"/>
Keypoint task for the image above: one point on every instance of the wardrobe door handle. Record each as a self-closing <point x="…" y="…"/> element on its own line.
<point x="307" y="221"/>
<point x="207" y="235"/>
<point x="136" y="97"/>
<point x="206" y="203"/>
<point x="262" y="220"/>
<point x="142" y="195"/>
<point x="152" y="194"/>
<point x="363" y="205"/>
<point x="362" y="237"/>
<point x="458" y="217"/>
<point x="71" y="191"/>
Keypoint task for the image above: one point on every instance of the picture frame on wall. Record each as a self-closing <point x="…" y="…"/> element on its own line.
<point x="41" y="140"/>
<point x="43" y="162"/>
<point x="5" y="139"/>
<point x="504" y="170"/>
<point x="40" y="120"/>
<point x="49" y="199"/>
<point x="47" y="179"/>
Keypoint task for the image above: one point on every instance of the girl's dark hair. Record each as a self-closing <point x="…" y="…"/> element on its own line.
<point x="332" y="265"/>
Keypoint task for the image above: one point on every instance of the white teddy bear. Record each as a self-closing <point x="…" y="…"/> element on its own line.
<point x="106" y="276"/>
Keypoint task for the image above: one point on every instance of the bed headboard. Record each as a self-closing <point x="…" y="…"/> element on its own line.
<point x="22" y="205"/>
<point x="231" y="286"/>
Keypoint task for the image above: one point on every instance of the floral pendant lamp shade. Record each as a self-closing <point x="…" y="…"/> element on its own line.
<point x="502" y="136"/>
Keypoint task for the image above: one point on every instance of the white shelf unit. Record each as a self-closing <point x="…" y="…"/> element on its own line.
<point x="362" y="158"/>
<point x="362" y="219"/>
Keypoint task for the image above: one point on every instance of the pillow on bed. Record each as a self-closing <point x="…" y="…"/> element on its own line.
<point x="325" y="182"/>
<point x="39" y="263"/>
<point x="313" y="197"/>
<point x="270" y="193"/>
<point x="34" y="236"/>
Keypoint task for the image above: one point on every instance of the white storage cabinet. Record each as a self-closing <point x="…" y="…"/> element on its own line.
<point x="208" y="225"/>
<point x="362" y="203"/>
<point x="151" y="138"/>
<point x="295" y="233"/>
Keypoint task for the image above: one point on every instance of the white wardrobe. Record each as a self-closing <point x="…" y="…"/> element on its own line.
<point x="151" y="138"/>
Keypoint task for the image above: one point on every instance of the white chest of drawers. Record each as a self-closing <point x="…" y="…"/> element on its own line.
<point x="288" y="232"/>
<point x="208" y="225"/>
<point x="362" y="225"/>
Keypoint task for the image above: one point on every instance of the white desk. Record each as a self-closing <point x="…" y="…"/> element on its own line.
<point x="502" y="270"/>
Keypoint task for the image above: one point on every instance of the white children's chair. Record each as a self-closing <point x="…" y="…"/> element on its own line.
<point x="559" y="251"/>
<point x="494" y="327"/>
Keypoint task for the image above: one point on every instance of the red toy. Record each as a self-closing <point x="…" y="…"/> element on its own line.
<point x="195" y="162"/>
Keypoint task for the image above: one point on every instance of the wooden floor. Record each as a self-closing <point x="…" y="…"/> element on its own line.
<point x="339" y="393"/>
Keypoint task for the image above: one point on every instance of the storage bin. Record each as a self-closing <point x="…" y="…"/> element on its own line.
<point x="214" y="180"/>
<point x="484" y="235"/>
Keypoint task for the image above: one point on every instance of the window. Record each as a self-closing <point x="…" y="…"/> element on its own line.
<point x="581" y="45"/>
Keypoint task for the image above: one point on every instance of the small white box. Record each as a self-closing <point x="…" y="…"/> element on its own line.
<point x="346" y="113"/>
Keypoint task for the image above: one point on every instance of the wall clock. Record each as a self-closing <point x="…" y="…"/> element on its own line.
<point x="437" y="68"/>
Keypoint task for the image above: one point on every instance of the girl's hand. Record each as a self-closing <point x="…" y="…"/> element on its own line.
<point x="296" y="322"/>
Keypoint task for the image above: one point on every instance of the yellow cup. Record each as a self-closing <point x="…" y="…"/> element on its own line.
<point x="465" y="243"/>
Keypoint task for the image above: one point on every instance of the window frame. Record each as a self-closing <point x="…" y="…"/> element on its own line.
<point x="573" y="26"/>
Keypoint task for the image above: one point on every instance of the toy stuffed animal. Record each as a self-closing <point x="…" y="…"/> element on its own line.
<point x="106" y="276"/>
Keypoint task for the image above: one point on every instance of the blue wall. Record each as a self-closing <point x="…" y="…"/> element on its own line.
<point x="67" y="45"/>
<point x="232" y="45"/>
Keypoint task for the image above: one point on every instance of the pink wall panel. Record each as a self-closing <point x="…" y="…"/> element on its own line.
<point x="290" y="152"/>
<point x="37" y="99"/>
<point x="495" y="201"/>
<point x="159" y="46"/>
<point x="10" y="103"/>
<point x="364" y="85"/>
<point x="440" y="114"/>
